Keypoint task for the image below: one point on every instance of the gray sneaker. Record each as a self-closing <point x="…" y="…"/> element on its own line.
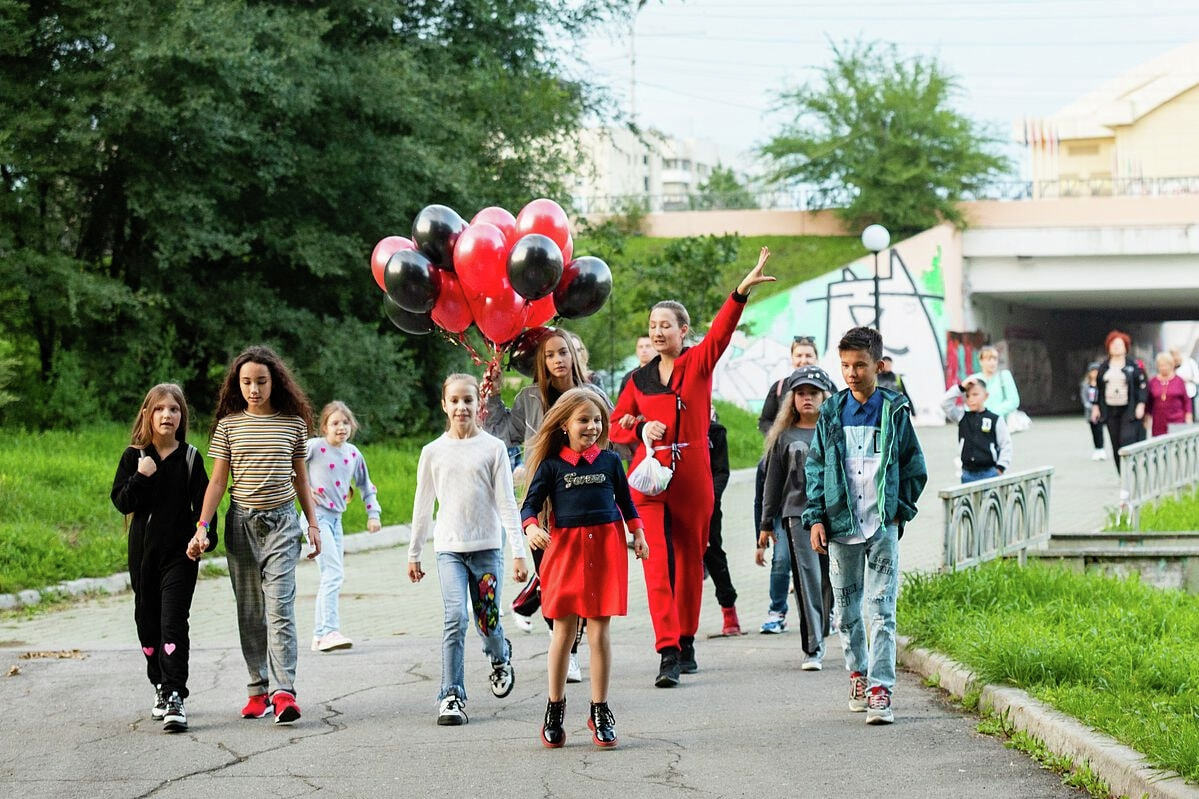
<point x="878" y="706"/>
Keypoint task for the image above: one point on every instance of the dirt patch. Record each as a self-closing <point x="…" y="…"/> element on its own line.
<point x="53" y="654"/>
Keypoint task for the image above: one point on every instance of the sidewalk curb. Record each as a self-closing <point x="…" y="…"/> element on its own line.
<point x="392" y="536"/>
<point x="1123" y="768"/>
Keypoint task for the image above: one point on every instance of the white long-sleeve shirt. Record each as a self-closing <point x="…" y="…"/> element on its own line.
<point x="471" y="482"/>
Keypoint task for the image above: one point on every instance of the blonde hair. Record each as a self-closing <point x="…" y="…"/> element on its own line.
<point x="143" y="431"/>
<point x="1164" y="356"/>
<point x="786" y="418"/>
<point x="551" y="437"/>
<point x="461" y="377"/>
<point x="337" y="406"/>
<point x="988" y="350"/>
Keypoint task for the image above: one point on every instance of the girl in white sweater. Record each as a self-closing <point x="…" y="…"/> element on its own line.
<point x="465" y="471"/>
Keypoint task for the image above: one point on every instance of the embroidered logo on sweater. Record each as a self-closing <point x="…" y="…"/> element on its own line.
<point x="576" y="479"/>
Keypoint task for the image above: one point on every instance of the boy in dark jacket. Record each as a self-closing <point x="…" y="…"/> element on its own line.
<point x="864" y="472"/>
<point x="984" y="443"/>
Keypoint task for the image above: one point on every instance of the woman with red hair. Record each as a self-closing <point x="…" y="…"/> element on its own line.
<point x="1123" y="390"/>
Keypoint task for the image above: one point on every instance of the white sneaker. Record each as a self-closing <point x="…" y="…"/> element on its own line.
<point x="1099" y="455"/>
<point x="523" y="623"/>
<point x="452" y="712"/>
<point x="573" y="672"/>
<point x="332" y="641"/>
<point x="813" y="662"/>
<point x="775" y="623"/>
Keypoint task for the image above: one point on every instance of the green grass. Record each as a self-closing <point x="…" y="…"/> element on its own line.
<point x="745" y="442"/>
<point x="1074" y="775"/>
<point x="1120" y="656"/>
<point x="57" y="522"/>
<point x="1167" y="515"/>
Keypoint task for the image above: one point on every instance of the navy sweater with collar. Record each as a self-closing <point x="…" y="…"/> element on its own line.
<point x="582" y="494"/>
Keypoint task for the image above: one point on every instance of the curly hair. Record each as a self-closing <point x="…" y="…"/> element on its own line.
<point x="286" y="395"/>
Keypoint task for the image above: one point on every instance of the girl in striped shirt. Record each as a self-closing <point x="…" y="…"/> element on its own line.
<point x="259" y="438"/>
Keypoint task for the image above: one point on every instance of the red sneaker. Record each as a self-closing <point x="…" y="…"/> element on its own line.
<point x="732" y="625"/>
<point x="258" y="706"/>
<point x="286" y="709"/>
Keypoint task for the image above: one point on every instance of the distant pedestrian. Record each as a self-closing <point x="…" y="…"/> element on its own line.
<point x="1167" y="402"/>
<point x="579" y="486"/>
<point x="1122" y="394"/>
<point x="1003" y="399"/>
<point x="787" y="446"/>
<point x="889" y="378"/>
<point x="259" y="439"/>
<point x="1186" y="368"/>
<point x="645" y="354"/>
<point x="1088" y="393"/>
<point x="159" y="485"/>
<point x="334" y="467"/>
<point x="464" y="471"/>
<point x="984" y="444"/>
<point x="803" y="353"/>
<point x="865" y="473"/>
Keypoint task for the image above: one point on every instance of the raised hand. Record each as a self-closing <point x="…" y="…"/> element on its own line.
<point x="755" y="275"/>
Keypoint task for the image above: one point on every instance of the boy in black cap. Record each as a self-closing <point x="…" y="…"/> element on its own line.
<point x="785" y="496"/>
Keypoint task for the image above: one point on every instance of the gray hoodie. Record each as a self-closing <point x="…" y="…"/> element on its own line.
<point x="518" y="427"/>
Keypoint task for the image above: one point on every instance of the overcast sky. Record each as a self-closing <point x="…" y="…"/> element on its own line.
<point x="708" y="68"/>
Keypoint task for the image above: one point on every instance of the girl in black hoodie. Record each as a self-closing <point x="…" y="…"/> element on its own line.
<point x="159" y="485"/>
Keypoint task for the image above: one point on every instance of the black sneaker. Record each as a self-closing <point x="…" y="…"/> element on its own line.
<point x="503" y="676"/>
<point x="452" y="712"/>
<point x="687" y="664"/>
<point x="160" y="704"/>
<point x="668" y="672"/>
<point x="553" y="734"/>
<point x="175" y="718"/>
<point x="602" y="724"/>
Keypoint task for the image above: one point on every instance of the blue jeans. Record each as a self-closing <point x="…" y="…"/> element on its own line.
<point x="868" y="570"/>
<point x="780" y="570"/>
<point x="969" y="476"/>
<point x="469" y="580"/>
<point x="332" y="564"/>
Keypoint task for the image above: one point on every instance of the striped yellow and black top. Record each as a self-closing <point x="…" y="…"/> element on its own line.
<point x="260" y="451"/>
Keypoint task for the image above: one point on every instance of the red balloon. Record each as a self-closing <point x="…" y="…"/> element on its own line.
<point x="547" y="218"/>
<point x="481" y="259"/>
<point x="452" y="311"/>
<point x="541" y="311"/>
<point x="501" y="218"/>
<point x="382" y="254"/>
<point x="500" y="317"/>
<point x="568" y="251"/>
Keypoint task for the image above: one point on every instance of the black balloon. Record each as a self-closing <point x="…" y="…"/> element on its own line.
<point x="416" y="323"/>
<point x="535" y="266"/>
<point x="412" y="281"/>
<point x="435" y="231"/>
<point x="585" y="286"/>
<point x="523" y="349"/>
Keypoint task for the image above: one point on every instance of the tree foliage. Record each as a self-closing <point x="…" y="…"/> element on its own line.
<point x="723" y="190"/>
<point x="879" y="140"/>
<point x="180" y="179"/>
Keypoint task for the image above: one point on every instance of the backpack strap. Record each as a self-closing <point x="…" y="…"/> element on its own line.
<point x="191" y="461"/>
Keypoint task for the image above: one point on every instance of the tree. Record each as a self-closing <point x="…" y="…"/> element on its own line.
<point x="179" y="180"/>
<point x="880" y="141"/>
<point x="722" y="190"/>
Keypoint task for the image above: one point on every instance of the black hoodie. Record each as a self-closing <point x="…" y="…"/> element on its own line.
<point x="166" y="505"/>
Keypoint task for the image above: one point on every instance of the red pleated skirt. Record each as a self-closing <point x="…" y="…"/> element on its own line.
<point x="585" y="572"/>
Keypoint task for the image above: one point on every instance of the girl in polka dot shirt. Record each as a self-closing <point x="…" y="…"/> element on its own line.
<point x="334" y="467"/>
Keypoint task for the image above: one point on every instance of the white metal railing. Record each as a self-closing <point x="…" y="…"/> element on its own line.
<point x="1155" y="469"/>
<point x="995" y="518"/>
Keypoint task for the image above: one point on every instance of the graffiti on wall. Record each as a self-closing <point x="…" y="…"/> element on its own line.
<point x="911" y="318"/>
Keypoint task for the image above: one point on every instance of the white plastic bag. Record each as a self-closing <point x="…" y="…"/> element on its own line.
<point x="650" y="477"/>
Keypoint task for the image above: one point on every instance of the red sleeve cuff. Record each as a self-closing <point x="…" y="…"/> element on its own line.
<point x="528" y="522"/>
<point x="634" y="525"/>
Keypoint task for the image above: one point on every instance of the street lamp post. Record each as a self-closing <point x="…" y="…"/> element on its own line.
<point x="876" y="238"/>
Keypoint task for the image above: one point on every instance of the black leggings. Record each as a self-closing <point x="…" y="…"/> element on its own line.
<point x="162" y="600"/>
<point x="1123" y="428"/>
<point x="717" y="562"/>
<point x="1097" y="434"/>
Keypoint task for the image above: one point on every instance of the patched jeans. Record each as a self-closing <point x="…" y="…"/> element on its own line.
<point x="869" y="572"/>
<point x="470" y="581"/>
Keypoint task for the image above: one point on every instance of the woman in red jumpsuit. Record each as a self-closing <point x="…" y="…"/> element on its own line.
<point x="669" y="402"/>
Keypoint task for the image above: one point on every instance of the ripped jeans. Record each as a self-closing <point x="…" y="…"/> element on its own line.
<point x="869" y="570"/>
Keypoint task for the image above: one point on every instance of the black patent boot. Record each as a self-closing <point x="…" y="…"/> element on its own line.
<point x="553" y="734"/>
<point x="602" y="724"/>
<point x="668" y="672"/>
<point x="687" y="664"/>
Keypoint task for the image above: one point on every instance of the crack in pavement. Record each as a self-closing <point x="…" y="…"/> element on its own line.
<point x="673" y="777"/>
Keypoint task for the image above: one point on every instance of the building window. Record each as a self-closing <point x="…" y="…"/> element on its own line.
<point x="645" y="182"/>
<point x="645" y="160"/>
<point x="1082" y="149"/>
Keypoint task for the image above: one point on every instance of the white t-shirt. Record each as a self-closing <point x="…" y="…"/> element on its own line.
<point x="471" y="482"/>
<point x="1188" y="370"/>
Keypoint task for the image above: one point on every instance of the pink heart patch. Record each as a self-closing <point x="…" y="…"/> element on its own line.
<point x="322" y="449"/>
<point x="337" y="483"/>
<point x="168" y="648"/>
<point x="148" y="650"/>
<point x="332" y="466"/>
<point x="353" y="454"/>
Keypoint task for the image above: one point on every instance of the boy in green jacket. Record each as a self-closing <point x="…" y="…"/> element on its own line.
<point x="864" y="473"/>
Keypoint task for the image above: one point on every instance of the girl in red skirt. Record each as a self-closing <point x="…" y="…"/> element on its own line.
<point x="585" y="570"/>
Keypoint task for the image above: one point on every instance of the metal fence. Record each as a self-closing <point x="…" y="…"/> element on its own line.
<point x="1155" y="469"/>
<point x="995" y="518"/>
<point x="814" y="199"/>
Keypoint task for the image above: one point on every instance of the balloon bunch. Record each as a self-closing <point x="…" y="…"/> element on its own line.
<point x="501" y="273"/>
